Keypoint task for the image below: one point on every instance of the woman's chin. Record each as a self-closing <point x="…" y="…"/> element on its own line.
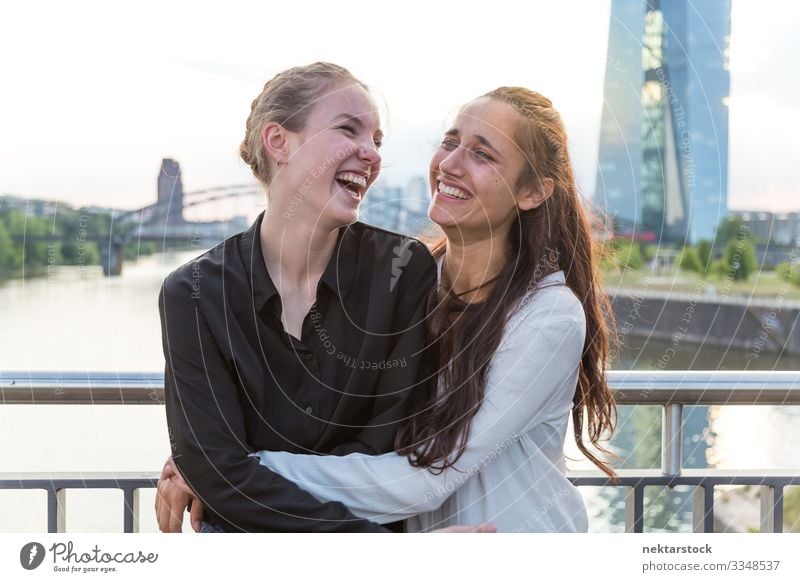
<point x="442" y="218"/>
<point x="342" y="214"/>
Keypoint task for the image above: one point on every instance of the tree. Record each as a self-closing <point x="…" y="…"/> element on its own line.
<point x="788" y="272"/>
<point x="704" y="252"/>
<point x="740" y="259"/>
<point x="6" y="249"/>
<point x="690" y="261"/>
<point x="731" y="228"/>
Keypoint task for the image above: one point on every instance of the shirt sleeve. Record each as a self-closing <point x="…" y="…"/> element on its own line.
<point x="406" y="379"/>
<point x="208" y="435"/>
<point x="532" y="379"/>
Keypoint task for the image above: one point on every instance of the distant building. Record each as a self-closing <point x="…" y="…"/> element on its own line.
<point x="765" y="227"/>
<point x="663" y="154"/>
<point x="397" y="209"/>
<point x="383" y="207"/>
<point x="169" y="204"/>
<point x="30" y="206"/>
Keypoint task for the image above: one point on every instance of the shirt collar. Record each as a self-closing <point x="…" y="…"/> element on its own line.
<point x="338" y="275"/>
<point x="554" y="278"/>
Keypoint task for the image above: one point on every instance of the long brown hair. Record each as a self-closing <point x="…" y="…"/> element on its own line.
<point x="554" y="236"/>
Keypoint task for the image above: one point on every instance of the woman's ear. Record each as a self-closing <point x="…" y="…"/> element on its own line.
<point x="274" y="137"/>
<point x="534" y="198"/>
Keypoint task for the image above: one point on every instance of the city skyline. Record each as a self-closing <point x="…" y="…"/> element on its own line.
<point x="94" y="109"/>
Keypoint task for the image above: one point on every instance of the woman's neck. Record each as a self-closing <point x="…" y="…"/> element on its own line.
<point x="296" y="251"/>
<point x="470" y="267"/>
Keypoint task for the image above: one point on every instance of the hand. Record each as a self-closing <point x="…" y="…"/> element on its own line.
<point x="482" y="528"/>
<point x="173" y="494"/>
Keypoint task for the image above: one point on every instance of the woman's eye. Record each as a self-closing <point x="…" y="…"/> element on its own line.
<point x="348" y="128"/>
<point x="483" y="155"/>
<point x="449" y="144"/>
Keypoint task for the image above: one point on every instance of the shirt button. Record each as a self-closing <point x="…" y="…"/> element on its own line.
<point x="309" y="410"/>
<point x="309" y="356"/>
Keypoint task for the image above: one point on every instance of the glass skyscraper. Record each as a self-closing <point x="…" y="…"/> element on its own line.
<point x="663" y="160"/>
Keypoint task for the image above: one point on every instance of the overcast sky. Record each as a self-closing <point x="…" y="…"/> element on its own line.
<point x="93" y="95"/>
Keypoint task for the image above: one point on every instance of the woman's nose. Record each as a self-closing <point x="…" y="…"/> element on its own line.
<point x="451" y="164"/>
<point x="369" y="154"/>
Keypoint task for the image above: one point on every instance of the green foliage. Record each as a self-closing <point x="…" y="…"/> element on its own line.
<point x="628" y="255"/>
<point x="719" y="268"/>
<point x="732" y="228"/>
<point x="71" y="237"/>
<point x="690" y="261"/>
<point x="704" y="252"/>
<point x="649" y="252"/>
<point x="791" y="509"/>
<point x="784" y="271"/>
<point x="740" y="259"/>
<point x="7" y="255"/>
<point x="789" y="273"/>
<point x="133" y="251"/>
<point x="33" y="242"/>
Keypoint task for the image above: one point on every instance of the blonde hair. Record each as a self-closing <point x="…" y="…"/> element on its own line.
<point x="287" y="99"/>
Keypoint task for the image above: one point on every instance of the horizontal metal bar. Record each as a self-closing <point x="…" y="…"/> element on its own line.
<point x="713" y="387"/>
<point x="626" y="478"/>
<point x="81" y="388"/>
<point x="84" y="480"/>
<point x="691" y="477"/>
<point x="630" y="387"/>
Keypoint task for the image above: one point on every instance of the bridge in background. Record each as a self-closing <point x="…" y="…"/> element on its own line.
<point x="163" y="221"/>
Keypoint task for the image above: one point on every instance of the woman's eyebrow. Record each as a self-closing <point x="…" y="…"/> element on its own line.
<point x="482" y="140"/>
<point x="356" y="121"/>
<point x="349" y="117"/>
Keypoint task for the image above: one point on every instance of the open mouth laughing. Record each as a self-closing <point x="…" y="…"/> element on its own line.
<point x="453" y="192"/>
<point x="352" y="183"/>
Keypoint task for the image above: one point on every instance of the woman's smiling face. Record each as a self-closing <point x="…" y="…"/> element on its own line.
<point x="474" y="172"/>
<point x="334" y="159"/>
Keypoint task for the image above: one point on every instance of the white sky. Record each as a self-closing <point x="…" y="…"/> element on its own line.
<point x="93" y="95"/>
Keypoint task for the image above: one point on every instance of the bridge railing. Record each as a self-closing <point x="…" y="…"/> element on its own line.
<point x="670" y="390"/>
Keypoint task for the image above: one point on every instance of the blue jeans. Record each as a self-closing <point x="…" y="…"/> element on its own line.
<point x="206" y="527"/>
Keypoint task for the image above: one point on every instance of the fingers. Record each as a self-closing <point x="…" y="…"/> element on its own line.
<point x="169" y="468"/>
<point x="162" y="509"/>
<point x="178" y="480"/>
<point x="170" y="504"/>
<point x="196" y="514"/>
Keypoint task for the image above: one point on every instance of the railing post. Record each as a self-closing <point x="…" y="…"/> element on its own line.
<point x="634" y="509"/>
<point x="672" y="439"/>
<point x="703" y="509"/>
<point x="771" y="509"/>
<point x="57" y="510"/>
<point x="129" y="511"/>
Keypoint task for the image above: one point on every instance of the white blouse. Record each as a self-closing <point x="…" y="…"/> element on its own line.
<point x="512" y="470"/>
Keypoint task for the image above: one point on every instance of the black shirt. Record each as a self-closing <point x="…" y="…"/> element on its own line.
<point x="236" y="382"/>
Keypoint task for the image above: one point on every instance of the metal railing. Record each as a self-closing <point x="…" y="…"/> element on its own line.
<point x="670" y="390"/>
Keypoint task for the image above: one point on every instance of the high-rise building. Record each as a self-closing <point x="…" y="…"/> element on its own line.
<point x="169" y="205"/>
<point x="663" y="159"/>
<point x="397" y="209"/>
<point x="383" y="207"/>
